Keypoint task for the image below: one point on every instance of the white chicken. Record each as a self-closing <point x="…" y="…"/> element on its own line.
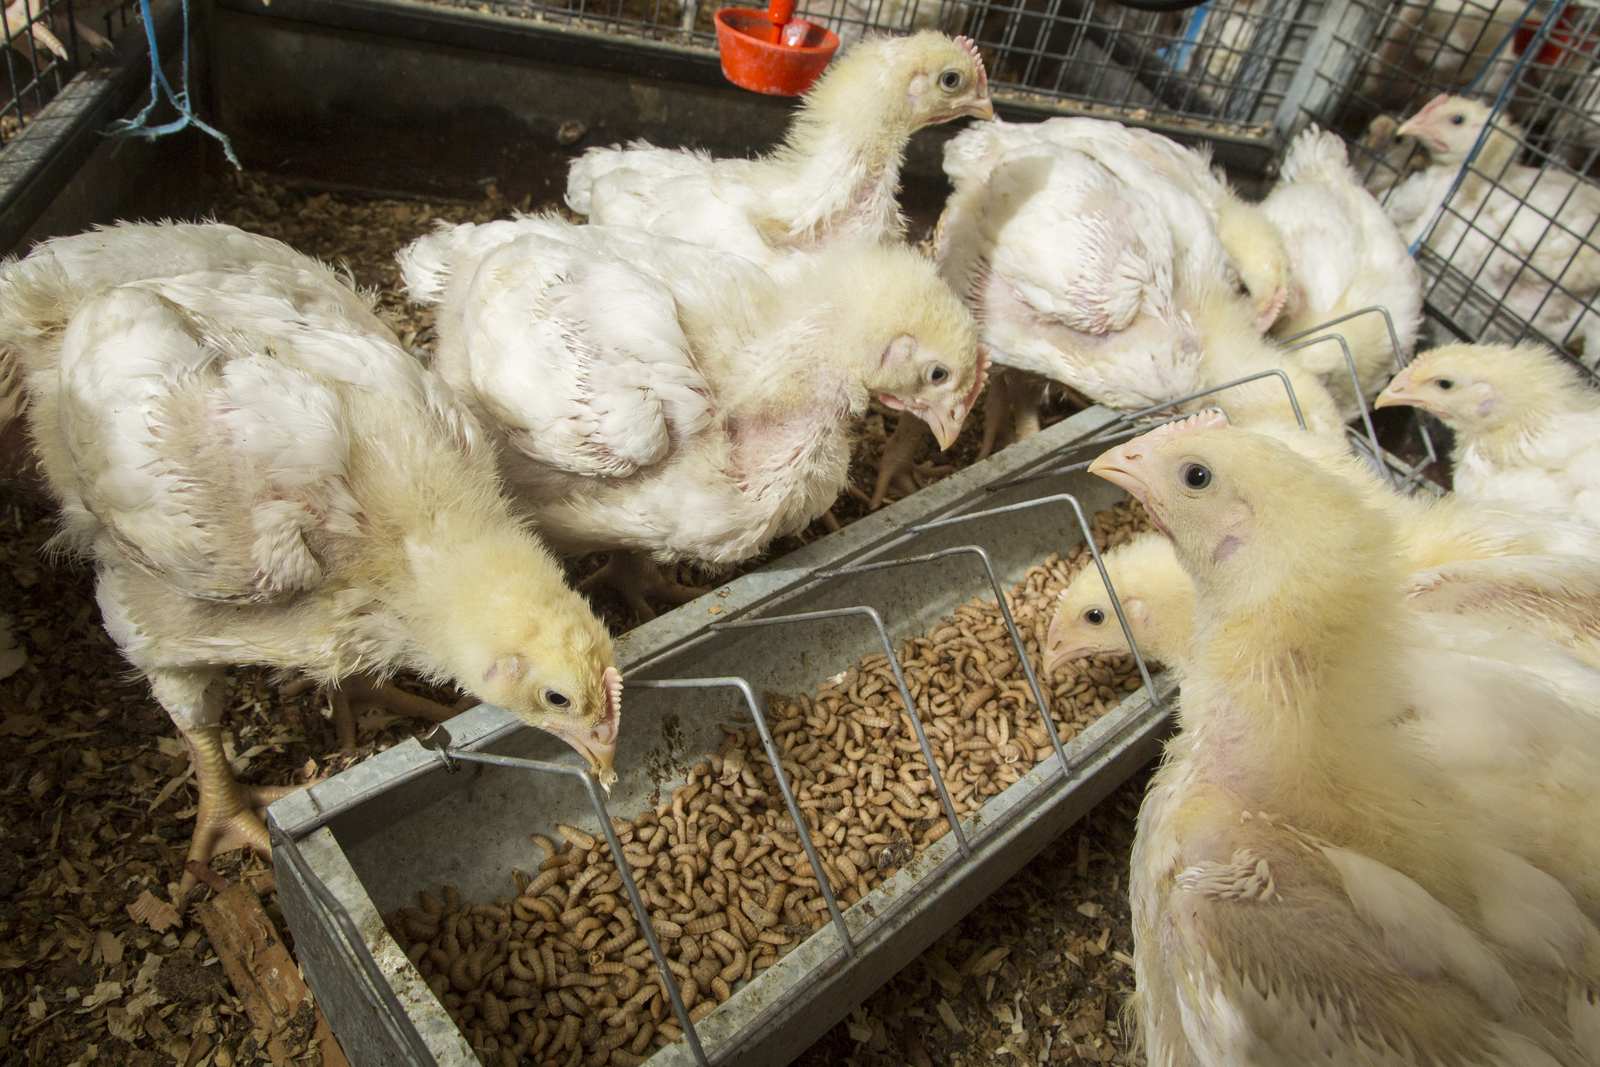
<point x="835" y="176"/>
<point x="1526" y="424"/>
<point x="1345" y="255"/>
<point x="1520" y="234"/>
<point x="1306" y="886"/>
<point x="1094" y="255"/>
<point x="263" y="476"/>
<point x="657" y="397"/>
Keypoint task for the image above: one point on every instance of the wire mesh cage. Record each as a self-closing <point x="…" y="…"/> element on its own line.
<point x="1226" y="66"/>
<point x="43" y="40"/>
<point x="1505" y="237"/>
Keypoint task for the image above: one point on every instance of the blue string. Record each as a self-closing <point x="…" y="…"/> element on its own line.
<point x="139" y="125"/>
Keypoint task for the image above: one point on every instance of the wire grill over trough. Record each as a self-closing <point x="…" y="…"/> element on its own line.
<point x="361" y="844"/>
<point x="356" y="847"/>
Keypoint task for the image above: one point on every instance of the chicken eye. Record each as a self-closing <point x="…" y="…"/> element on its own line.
<point x="1094" y="617"/>
<point x="950" y="81"/>
<point x="1196" y="476"/>
<point x="1446" y="384"/>
<point x="937" y="373"/>
<point x="557" y="700"/>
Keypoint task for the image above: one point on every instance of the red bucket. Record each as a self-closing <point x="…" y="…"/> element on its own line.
<point x="770" y="52"/>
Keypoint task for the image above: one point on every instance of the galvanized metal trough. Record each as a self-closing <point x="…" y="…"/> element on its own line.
<point x="360" y="845"/>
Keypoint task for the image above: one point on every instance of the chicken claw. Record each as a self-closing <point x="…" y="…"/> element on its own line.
<point x="637" y="577"/>
<point x="364" y="690"/>
<point x="18" y="16"/>
<point x="231" y="815"/>
<point x="895" y="465"/>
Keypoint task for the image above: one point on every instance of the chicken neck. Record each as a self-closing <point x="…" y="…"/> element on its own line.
<point x="460" y="592"/>
<point x="1293" y="681"/>
<point x="837" y="171"/>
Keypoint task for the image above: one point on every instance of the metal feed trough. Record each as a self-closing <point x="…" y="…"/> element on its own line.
<point x="459" y="810"/>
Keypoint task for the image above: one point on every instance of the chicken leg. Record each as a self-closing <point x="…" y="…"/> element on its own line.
<point x="19" y="16"/>
<point x="363" y="690"/>
<point x="1011" y="412"/>
<point x="897" y="468"/>
<point x="230" y="815"/>
<point x="636" y="577"/>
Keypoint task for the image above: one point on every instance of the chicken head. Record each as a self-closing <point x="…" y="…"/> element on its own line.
<point x="1226" y="498"/>
<point x="918" y="81"/>
<point x="903" y="333"/>
<point x="945" y="79"/>
<point x="1154" y="592"/>
<point x="541" y="654"/>
<point x="1476" y="389"/>
<point x="1449" y="126"/>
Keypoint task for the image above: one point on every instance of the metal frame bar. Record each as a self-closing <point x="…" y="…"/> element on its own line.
<point x="438" y="741"/>
<point x="905" y="694"/>
<point x="769" y="744"/>
<point x="348" y="942"/>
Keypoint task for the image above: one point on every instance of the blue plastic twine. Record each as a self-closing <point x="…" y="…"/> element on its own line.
<point x="160" y="87"/>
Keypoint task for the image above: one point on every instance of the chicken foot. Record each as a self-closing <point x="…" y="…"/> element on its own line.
<point x="230" y="815"/>
<point x="363" y="690"/>
<point x="896" y="467"/>
<point x="637" y="577"/>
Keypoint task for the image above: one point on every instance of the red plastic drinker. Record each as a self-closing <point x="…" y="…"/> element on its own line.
<point x="771" y="51"/>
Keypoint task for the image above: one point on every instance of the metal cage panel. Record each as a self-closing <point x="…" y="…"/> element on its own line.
<point x="1511" y="253"/>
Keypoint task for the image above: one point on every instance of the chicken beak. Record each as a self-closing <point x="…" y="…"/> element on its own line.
<point x="598" y="743"/>
<point x="1396" y="393"/>
<point x="979" y="109"/>
<point x="1124" y="466"/>
<point x="1421" y="127"/>
<point x="946" y="425"/>
<point x="1059" y="650"/>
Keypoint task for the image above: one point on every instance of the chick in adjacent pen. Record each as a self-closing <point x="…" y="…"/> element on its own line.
<point x="1346" y="256"/>
<point x="834" y="178"/>
<point x="1526" y="424"/>
<point x="263" y="476"/>
<point x="1306" y="887"/>
<point x="1523" y="235"/>
<point x="663" y="400"/>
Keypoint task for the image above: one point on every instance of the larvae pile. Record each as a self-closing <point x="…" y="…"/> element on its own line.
<point x="560" y="974"/>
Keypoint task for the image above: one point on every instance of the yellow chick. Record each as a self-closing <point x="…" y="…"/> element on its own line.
<point x="1305" y="888"/>
<point x="1526" y="424"/>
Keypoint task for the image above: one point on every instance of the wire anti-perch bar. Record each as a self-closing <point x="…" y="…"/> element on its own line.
<point x="438" y="740"/>
<point x="776" y="758"/>
<point x="900" y="682"/>
<point x="1094" y="550"/>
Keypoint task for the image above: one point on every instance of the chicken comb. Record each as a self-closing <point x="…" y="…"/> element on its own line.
<point x="1200" y="421"/>
<point x="1431" y="106"/>
<point x="612" y="680"/>
<point x="967" y="45"/>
